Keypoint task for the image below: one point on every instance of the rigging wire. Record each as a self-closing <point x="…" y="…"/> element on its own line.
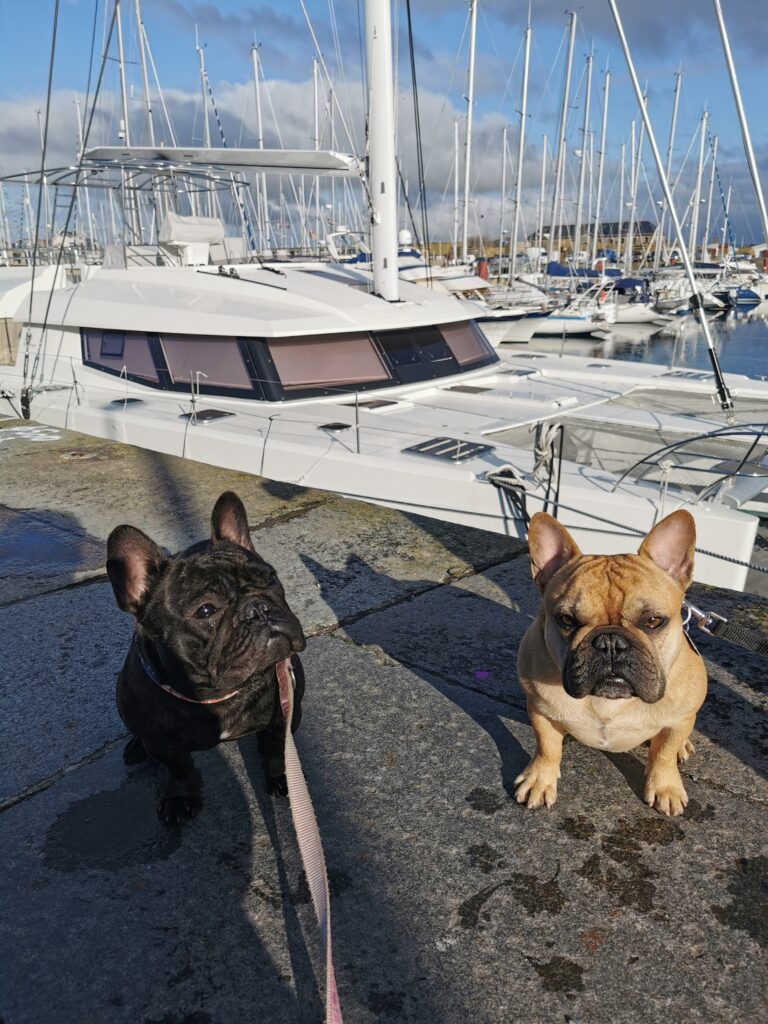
<point x="70" y="209"/>
<point x="35" y="249"/>
<point x="419" y="150"/>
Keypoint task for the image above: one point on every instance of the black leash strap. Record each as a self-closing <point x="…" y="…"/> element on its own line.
<point x="715" y="625"/>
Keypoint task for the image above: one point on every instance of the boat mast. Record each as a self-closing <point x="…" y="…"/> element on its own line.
<point x="316" y="104"/>
<point x="541" y="199"/>
<point x="521" y="149"/>
<point x="723" y="394"/>
<point x="620" y="227"/>
<point x="696" y="201"/>
<point x="156" y="192"/>
<point x="712" y="173"/>
<point x="455" y="190"/>
<point x="89" y="217"/>
<point x="636" y="154"/>
<point x="743" y="121"/>
<point x="601" y="164"/>
<point x="726" y="218"/>
<point x="582" y="160"/>
<point x="206" y="125"/>
<point x="503" y="191"/>
<point x="560" y="160"/>
<point x="126" y="124"/>
<point x="381" y="149"/>
<point x="261" y="180"/>
<point x="661" y="240"/>
<point x="468" y="137"/>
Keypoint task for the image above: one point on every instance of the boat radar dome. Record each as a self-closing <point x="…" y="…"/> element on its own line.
<point x="404" y="238"/>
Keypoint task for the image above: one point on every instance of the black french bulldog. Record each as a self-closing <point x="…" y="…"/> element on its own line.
<point x="211" y="624"/>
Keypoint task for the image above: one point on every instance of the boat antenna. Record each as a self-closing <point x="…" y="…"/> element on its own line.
<point x="723" y="394"/>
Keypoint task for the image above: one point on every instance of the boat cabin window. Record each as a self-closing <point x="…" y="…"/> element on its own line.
<point x="468" y="344"/>
<point x="218" y="361"/>
<point x="120" y="352"/>
<point x="419" y="353"/>
<point x="327" y="361"/>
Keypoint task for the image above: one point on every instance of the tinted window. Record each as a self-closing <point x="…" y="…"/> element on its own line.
<point x="327" y="361"/>
<point x="217" y="360"/>
<point x="120" y="352"/>
<point x="420" y="353"/>
<point x="468" y="343"/>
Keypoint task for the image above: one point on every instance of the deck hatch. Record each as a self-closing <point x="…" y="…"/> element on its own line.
<point x="373" y="403"/>
<point x="205" y="415"/>
<point x="449" y="448"/>
<point x="468" y="389"/>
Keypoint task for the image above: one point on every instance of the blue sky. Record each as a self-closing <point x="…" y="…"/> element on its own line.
<point x="661" y="42"/>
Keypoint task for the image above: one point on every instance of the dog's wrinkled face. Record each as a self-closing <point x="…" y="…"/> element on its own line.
<point x="218" y="607"/>
<point x="613" y="623"/>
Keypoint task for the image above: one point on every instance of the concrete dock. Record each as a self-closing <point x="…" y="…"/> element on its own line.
<point x="451" y="904"/>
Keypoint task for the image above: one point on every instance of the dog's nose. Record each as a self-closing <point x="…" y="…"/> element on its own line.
<point x="255" y="610"/>
<point x="610" y="643"/>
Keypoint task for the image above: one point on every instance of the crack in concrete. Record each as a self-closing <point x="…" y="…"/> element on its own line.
<point x="288" y="514"/>
<point x="42" y="784"/>
<point x="98" y="576"/>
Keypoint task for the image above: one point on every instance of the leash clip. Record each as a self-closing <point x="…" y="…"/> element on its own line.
<point x="705" y="621"/>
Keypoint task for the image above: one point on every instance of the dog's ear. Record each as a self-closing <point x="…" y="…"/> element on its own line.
<point x="230" y="522"/>
<point x="671" y="544"/>
<point x="551" y="548"/>
<point x="133" y="561"/>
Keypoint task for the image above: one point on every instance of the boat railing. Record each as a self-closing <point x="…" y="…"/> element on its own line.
<point x="750" y="466"/>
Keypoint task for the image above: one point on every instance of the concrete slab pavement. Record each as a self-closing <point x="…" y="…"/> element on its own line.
<point x="450" y="902"/>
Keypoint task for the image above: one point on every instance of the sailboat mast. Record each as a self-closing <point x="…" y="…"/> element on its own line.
<point x="521" y="149"/>
<point x="468" y="137"/>
<point x="455" y="190"/>
<point x="726" y="218"/>
<point x="661" y="240"/>
<point x="712" y="173"/>
<point x="601" y="164"/>
<point x="636" y="154"/>
<point x="694" y="229"/>
<point x="503" y="192"/>
<point x="747" y="139"/>
<point x="381" y="148"/>
<point x="126" y="123"/>
<point x="620" y="226"/>
<point x="541" y="198"/>
<point x="723" y="394"/>
<point x="316" y="105"/>
<point x="560" y="160"/>
<point x="91" y="227"/>
<point x="583" y="160"/>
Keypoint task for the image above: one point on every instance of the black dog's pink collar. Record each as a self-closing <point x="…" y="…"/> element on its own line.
<point x="149" y="668"/>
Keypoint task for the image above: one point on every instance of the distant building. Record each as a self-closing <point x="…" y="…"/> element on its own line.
<point x="608" y="237"/>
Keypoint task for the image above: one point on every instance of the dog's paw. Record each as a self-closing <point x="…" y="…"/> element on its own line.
<point x="277" y="785"/>
<point x="537" y="785"/>
<point x="666" y="794"/>
<point x="134" y="752"/>
<point x="174" y="808"/>
<point x="685" y="751"/>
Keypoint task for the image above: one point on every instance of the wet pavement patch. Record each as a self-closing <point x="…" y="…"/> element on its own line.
<point x="44" y="543"/>
<point x="484" y="800"/>
<point x="109" y="831"/>
<point x="534" y="896"/>
<point x="485" y="858"/>
<point x="748" y="885"/>
<point x="560" y="975"/>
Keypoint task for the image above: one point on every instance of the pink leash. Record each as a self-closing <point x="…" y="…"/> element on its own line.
<point x="308" y="836"/>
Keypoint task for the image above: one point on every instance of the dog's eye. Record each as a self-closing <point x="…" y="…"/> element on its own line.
<point x="566" y="622"/>
<point x="272" y="578"/>
<point x="205" y="611"/>
<point x="654" y="622"/>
